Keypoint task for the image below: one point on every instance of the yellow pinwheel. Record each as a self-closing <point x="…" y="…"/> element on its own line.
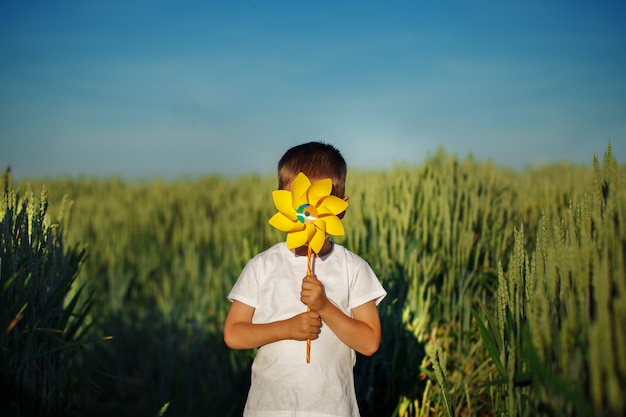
<point x="308" y="212"/>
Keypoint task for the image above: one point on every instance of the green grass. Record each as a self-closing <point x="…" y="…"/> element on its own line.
<point x="506" y="289"/>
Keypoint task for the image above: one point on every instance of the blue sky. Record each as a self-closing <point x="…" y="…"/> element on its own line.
<point x="143" y="88"/>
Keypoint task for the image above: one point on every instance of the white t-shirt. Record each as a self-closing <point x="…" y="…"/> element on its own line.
<point x="283" y="384"/>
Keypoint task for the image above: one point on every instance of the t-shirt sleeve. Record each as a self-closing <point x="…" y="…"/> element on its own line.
<point x="365" y="286"/>
<point x="245" y="289"/>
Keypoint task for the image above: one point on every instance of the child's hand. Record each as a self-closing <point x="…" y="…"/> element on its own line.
<point x="305" y="326"/>
<point x="313" y="293"/>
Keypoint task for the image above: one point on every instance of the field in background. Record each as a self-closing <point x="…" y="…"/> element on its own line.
<point x="507" y="290"/>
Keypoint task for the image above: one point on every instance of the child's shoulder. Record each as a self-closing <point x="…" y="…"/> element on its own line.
<point x="275" y="251"/>
<point x="341" y="251"/>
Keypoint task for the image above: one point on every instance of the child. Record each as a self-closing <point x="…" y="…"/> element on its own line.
<point x="269" y="312"/>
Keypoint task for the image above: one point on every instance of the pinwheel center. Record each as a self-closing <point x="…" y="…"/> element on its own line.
<point x="306" y="214"/>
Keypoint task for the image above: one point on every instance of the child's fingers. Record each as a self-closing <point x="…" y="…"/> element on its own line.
<point x="310" y="278"/>
<point x="311" y="282"/>
<point x="310" y="325"/>
<point x="314" y="317"/>
<point x="313" y="293"/>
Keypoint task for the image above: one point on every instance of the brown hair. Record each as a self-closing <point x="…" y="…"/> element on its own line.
<point x="317" y="160"/>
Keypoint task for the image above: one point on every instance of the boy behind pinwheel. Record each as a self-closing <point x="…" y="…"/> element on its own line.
<point x="277" y="310"/>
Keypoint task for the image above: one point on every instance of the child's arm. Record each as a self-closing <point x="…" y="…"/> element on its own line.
<point x="241" y="333"/>
<point x="360" y="332"/>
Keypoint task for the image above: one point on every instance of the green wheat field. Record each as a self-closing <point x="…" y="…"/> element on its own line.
<point x="506" y="290"/>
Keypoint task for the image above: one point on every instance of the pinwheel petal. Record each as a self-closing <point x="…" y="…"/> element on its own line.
<point x="319" y="190"/>
<point x="282" y="201"/>
<point x="297" y="239"/>
<point x="299" y="187"/>
<point x="311" y="230"/>
<point x="332" y="205"/>
<point x="317" y="241"/>
<point x="333" y="225"/>
<point x="284" y="224"/>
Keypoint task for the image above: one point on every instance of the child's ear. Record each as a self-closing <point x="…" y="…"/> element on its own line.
<point x="343" y="213"/>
